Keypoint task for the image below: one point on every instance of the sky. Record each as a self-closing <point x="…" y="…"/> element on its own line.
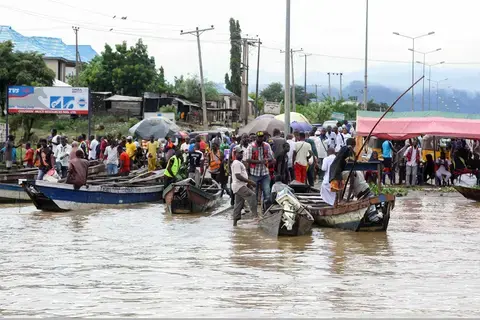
<point x="333" y="31"/>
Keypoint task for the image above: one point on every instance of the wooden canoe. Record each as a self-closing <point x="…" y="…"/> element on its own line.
<point x="371" y="214"/>
<point x="273" y="225"/>
<point x="185" y="197"/>
<point x="469" y="192"/>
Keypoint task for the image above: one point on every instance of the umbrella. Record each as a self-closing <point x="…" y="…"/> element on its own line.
<point x="294" y="116"/>
<point x="262" y="124"/>
<point x="266" y="116"/>
<point x="182" y="135"/>
<point x="300" y="126"/>
<point x="158" y="127"/>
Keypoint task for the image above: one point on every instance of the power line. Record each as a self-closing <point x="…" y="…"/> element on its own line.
<point x="112" y="29"/>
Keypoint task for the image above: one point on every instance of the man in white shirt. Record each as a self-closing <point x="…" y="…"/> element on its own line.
<point x="240" y="189"/>
<point x="443" y="165"/>
<point x="331" y="137"/>
<point x="291" y="142"/>
<point x="322" y="146"/>
<point x="92" y="151"/>
<point x="327" y="195"/>
<point x="303" y="152"/>
<point x="55" y="140"/>
<point x="62" y="156"/>
<point x="111" y="156"/>
<point x="412" y="154"/>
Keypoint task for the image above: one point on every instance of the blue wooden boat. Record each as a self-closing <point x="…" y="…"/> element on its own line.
<point x="61" y="197"/>
<point x="12" y="192"/>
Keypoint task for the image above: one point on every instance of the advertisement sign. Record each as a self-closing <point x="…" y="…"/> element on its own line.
<point x="167" y="115"/>
<point x="338" y="116"/>
<point x="59" y="100"/>
<point x="271" y="107"/>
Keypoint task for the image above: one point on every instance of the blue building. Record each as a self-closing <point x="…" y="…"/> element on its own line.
<point x="58" y="56"/>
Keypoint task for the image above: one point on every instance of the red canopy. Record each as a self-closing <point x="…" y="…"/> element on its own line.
<point x="405" y="125"/>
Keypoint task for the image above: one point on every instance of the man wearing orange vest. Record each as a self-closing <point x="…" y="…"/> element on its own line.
<point x="214" y="162"/>
<point x="259" y="154"/>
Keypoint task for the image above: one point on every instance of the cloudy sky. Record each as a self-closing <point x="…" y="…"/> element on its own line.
<point x="332" y="30"/>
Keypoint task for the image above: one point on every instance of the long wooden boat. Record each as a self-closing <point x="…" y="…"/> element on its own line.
<point x="12" y="193"/>
<point x="61" y="197"/>
<point x="372" y="214"/>
<point x="185" y="197"/>
<point x="11" y="190"/>
<point x="275" y="223"/>
<point x="470" y="193"/>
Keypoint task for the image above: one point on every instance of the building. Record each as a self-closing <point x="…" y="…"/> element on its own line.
<point x="58" y="56"/>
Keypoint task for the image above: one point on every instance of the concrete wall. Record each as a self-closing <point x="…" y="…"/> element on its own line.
<point x="53" y="65"/>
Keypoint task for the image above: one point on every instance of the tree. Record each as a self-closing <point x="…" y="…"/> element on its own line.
<point x="300" y="95"/>
<point x="317" y="112"/>
<point x="127" y="71"/>
<point x="234" y="83"/>
<point x="261" y="102"/>
<point x="22" y="68"/>
<point x="274" y="92"/>
<point x="373" y="106"/>
<point x="191" y="89"/>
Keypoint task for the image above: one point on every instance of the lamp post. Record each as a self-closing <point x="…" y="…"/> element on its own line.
<point x="429" y="77"/>
<point x="413" y="59"/>
<point x="286" y="100"/>
<point x="423" y="81"/>
<point x="437" y="85"/>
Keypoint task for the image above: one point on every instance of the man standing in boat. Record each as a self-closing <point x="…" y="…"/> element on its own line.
<point x="338" y="166"/>
<point x="325" y="192"/>
<point x="173" y="166"/>
<point x="240" y="189"/>
<point x="259" y="154"/>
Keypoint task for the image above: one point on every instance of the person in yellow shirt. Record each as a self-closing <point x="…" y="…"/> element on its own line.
<point x="131" y="148"/>
<point x="152" y="148"/>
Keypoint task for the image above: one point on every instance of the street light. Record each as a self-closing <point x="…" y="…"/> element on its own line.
<point x="413" y="58"/>
<point x="430" y="76"/>
<point x="438" y="84"/>
<point x="286" y="101"/>
<point x="423" y="81"/>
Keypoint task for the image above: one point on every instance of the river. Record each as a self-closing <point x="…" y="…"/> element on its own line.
<point x="140" y="262"/>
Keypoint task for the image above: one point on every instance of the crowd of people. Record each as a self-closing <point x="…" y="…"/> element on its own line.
<point x="55" y="156"/>
<point x="403" y="161"/>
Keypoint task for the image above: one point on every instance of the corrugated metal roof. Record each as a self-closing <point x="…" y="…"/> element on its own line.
<point x="222" y="90"/>
<point x="49" y="47"/>
<point x="124" y="98"/>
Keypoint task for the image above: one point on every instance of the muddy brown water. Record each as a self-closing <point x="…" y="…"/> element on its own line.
<point x="139" y="262"/>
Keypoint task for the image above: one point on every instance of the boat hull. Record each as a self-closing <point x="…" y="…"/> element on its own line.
<point x="356" y="216"/>
<point x="186" y="198"/>
<point x="12" y="193"/>
<point x="272" y="223"/>
<point x="59" y="197"/>
<point x="469" y="193"/>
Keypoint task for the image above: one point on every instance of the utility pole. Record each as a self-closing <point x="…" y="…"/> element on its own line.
<point x="258" y="76"/>
<point x="244" y="98"/>
<point x="365" y="85"/>
<point x="197" y="32"/>
<point x="329" y="86"/>
<point x="341" y="95"/>
<point x="287" y="68"/>
<point x="292" y="52"/>
<point x="306" y="94"/>
<point x="316" y="92"/>
<point x="77" y="55"/>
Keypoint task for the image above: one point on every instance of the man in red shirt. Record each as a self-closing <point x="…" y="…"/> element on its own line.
<point x="28" y="156"/>
<point x="124" y="162"/>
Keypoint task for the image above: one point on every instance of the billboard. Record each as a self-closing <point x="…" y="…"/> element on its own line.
<point x="60" y="100"/>
<point x="271" y="107"/>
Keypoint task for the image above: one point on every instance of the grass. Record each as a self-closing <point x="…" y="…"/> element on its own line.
<point x="402" y="191"/>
